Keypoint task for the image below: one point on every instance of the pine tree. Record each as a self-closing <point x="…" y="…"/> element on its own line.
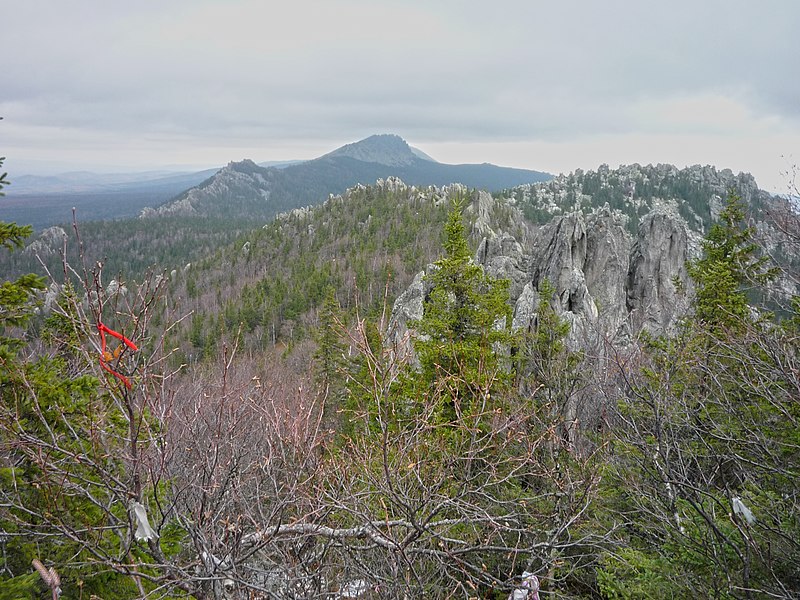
<point x="16" y="297"/>
<point x="466" y="325"/>
<point x="728" y="268"/>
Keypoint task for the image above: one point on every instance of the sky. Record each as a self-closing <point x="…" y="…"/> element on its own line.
<point x="103" y="86"/>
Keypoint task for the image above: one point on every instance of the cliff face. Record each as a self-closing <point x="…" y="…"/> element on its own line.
<point x="657" y="279"/>
<point x="609" y="284"/>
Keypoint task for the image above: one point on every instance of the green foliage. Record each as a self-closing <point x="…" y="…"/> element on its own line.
<point x="329" y="361"/>
<point x="544" y="354"/>
<point x="728" y="268"/>
<point x="465" y="330"/>
<point x="18" y="297"/>
<point x="367" y="246"/>
<point x="632" y="574"/>
<point x="329" y="345"/>
<point x="21" y="587"/>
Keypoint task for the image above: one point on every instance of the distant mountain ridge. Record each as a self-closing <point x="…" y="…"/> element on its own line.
<point x="244" y="189"/>
<point x="85" y="181"/>
<point x="384" y="149"/>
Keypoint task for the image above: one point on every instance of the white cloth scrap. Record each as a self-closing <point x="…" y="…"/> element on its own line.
<point x="143" y="530"/>
<point x="528" y="590"/>
<point x="740" y="510"/>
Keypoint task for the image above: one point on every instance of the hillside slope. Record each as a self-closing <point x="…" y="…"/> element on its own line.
<point x="613" y="273"/>
<point x="243" y="189"/>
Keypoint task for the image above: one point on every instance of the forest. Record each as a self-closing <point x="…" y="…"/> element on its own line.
<point x="242" y="424"/>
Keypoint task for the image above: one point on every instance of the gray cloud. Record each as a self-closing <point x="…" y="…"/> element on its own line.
<point x="250" y="74"/>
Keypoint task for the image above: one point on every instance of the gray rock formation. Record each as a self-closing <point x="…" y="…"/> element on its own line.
<point x="608" y="286"/>
<point x="658" y="282"/>
<point x="503" y="257"/>
<point x="50" y="241"/>
<point x="608" y="249"/>
<point x="407" y="308"/>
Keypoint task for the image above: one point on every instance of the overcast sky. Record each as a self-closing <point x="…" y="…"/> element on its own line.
<point x="107" y="85"/>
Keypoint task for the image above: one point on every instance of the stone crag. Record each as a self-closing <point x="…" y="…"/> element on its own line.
<point x="609" y="284"/>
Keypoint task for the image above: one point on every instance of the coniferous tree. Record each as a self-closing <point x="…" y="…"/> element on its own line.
<point x="728" y="268"/>
<point x="16" y="297"/>
<point x="465" y="332"/>
<point x="328" y="338"/>
<point x="16" y="304"/>
<point x="709" y="432"/>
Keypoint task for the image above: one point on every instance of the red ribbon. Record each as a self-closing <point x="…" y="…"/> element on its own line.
<point x="103" y="354"/>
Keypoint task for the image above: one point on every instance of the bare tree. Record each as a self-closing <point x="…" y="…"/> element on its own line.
<point x="708" y="455"/>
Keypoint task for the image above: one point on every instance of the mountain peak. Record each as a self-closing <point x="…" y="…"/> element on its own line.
<point x="385" y="149"/>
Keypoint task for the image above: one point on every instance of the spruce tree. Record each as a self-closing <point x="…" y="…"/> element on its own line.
<point x="466" y="325"/>
<point x="16" y="307"/>
<point x="728" y="268"/>
<point x="16" y="297"/>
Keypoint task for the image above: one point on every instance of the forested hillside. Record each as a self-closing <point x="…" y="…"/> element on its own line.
<point x="365" y="245"/>
<point x="244" y="190"/>
<point x="411" y="392"/>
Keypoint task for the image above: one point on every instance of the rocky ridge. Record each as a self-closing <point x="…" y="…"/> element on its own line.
<point x="696" y="193"/>
<point x="609" y="283"/>
<point x="613" y="242"/>
<point x="242" y="181"/>
<point x="244" y="190"/>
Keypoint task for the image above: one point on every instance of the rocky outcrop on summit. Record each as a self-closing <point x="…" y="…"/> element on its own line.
<point x="697" y="193"/>
<point x="587" y="260"/>
<point x="608" y="285"/>
<point x="385" y="149"/>
<point x="242" y="183"/>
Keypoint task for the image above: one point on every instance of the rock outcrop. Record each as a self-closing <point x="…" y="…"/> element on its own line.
<point x="50" y="241"/>
<point x="657" y="277"/>
<point x="608" y="285"/>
